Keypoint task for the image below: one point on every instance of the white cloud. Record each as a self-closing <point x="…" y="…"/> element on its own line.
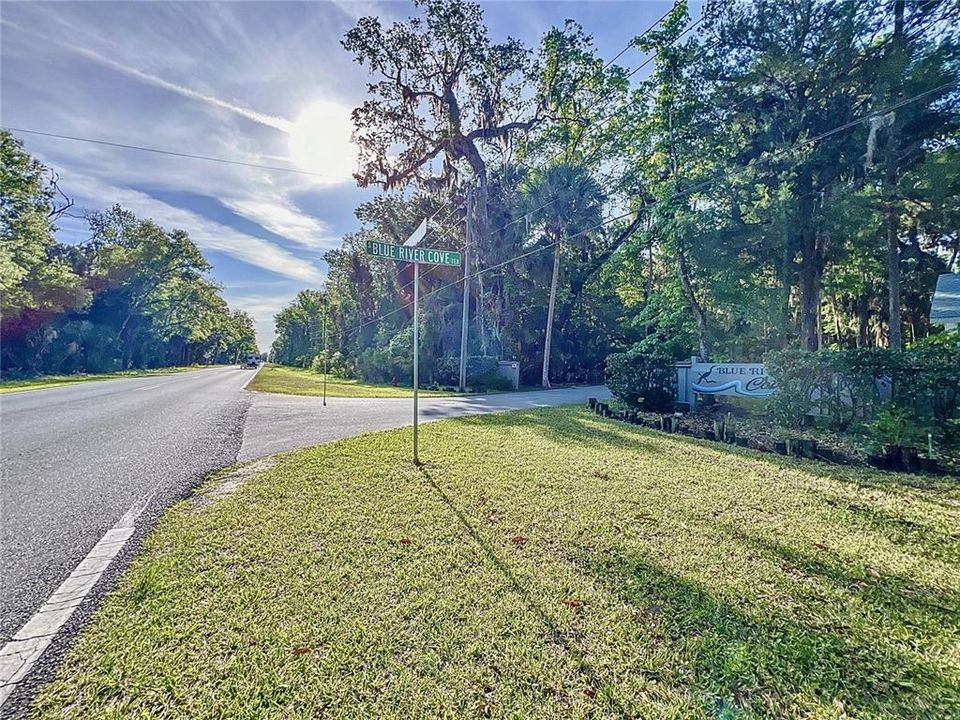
<point x="262" y="308"/>
<point x="208" y="234"/>
<point x="273" y="121"/>
<point x="281" y="218"/>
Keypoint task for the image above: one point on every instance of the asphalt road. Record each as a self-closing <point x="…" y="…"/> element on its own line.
<point x="75" y="459"/>
<point x="276" y="423"/>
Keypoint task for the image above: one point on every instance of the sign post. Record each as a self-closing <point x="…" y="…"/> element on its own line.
<point x="408" y="252"/>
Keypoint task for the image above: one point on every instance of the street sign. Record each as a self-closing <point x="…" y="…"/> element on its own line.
<point x="403" y="253"/>
<point x="409" y="252"/>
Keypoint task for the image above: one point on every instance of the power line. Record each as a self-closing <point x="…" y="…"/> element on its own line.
<point x="242" y="163"/>
<point x="172" y="153"/>
<point x="606" y="119"/>
<point x="633" y="42"/>
<point x="629" y="45"/>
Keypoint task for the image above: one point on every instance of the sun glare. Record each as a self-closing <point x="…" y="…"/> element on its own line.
<point x="320" y="141"/>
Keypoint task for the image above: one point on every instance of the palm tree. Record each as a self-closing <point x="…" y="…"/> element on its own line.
<point x="564" y="202"/>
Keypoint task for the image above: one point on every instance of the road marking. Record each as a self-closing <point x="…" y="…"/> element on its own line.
<point x="244" y="386"/>
<point x="146" y="387"/>
<point x="18" y="656"/>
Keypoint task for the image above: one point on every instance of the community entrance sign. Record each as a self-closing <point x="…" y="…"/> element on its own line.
<point x="408" y="252"/>
<point x="739" y="379"/>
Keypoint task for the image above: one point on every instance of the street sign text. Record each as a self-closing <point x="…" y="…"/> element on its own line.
<point x="414" y="254"/>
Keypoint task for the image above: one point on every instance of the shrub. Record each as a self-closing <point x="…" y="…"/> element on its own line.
<point x="897" y="427"/>
<point x="642" y="380"/>
<point x="856" y="386"/>
<point x="492" y="381"/>
<point x="335" y="364"/>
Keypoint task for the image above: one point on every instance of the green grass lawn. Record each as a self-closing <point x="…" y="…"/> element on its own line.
<point x="46" y="381"/>
<point x="295" y="381"/>
<point x="544" y="564"/>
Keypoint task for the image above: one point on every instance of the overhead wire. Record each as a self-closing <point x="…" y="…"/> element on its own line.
<point x="172" y="153"/>
<point x="632" y="43"/>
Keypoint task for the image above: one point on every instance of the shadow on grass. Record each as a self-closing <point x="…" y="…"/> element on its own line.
<point x="777" y="656"/>
<point x="761" y="662"/>
<point x="569" y="429"/>
<point x="589" y="672"/>
<point x="587" y="430"/>
<point x="926" y="539"/>
<point x="894" y="596"/>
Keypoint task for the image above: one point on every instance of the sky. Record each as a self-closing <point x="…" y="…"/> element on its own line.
<point x="259" y="82"/>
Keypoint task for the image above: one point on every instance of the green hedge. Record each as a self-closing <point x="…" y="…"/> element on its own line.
<point x="920" y="386"/>
<point x="642" y="380"/>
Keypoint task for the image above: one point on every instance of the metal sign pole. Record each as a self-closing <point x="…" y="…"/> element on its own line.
<point x="416" y="355"/>
<point x="325" y="355"/>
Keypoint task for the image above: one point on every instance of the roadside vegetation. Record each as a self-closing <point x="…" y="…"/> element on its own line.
<point x="542" y="564"/>
<point x="47" y="381"/>
<point x="779" y="175"/>
<point x="296" y="381"/>
<point x="133" y="296"/>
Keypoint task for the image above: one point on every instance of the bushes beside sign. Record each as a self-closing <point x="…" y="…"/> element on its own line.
<point x="850" y="387"/>
<point x="642" y="380"/>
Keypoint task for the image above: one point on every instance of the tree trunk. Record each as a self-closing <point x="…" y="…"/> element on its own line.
<point x="553" y="299"/>
<point x="863" y="321"/>
<point x="810" y="264"/>
<point x="699" y="314"/>
<point x="895" y="335"/>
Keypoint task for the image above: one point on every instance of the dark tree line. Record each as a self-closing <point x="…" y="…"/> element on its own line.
<point x="132" y="296"/>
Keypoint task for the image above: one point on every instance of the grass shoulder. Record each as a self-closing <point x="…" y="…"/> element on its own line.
<point x="298" y="381"/>
<point x="48" y="381"/>
<point x="544" y="564"/>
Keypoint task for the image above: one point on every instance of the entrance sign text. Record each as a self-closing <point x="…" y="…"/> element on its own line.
<point x="748" y="380"/>
<point x="743" y="379"/>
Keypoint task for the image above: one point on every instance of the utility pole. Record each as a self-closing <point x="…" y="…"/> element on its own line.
<point x="464" y="325"/>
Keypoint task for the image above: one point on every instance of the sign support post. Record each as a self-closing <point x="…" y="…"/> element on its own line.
<point x="416" y="358"/>
<point x="325" y="352"/>
<point x="409" y="252"/>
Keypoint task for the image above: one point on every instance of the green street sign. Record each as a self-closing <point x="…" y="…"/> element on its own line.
<point x="414" y="254"/>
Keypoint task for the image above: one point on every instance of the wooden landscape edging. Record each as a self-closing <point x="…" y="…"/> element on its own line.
<point x="791" y="447"/>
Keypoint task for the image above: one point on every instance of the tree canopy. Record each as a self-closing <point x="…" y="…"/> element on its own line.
<point x="784" y="176"/>
<point x="134" y="295"/>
